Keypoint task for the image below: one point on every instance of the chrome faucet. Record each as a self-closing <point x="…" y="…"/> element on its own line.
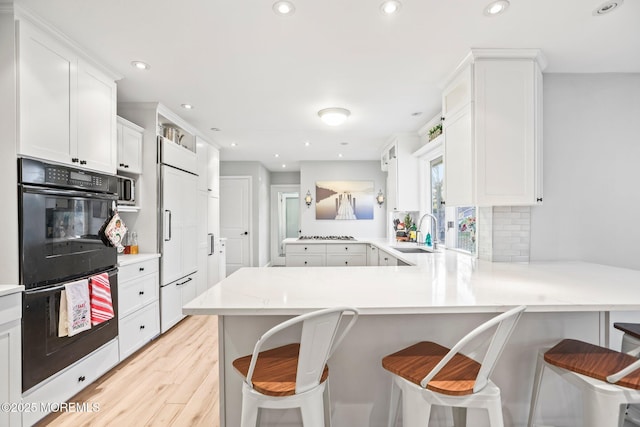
<point x="434" y="229"/>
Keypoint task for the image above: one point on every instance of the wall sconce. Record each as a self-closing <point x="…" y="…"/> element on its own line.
<point x="308" y="199"/>
<point x="380" y="198"/>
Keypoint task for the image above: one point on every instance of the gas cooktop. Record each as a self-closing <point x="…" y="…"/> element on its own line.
<point x="326" y="238"/>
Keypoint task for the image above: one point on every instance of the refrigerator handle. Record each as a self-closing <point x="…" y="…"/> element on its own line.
<point x="211" y="244"/>
<point x="167" y="224"/>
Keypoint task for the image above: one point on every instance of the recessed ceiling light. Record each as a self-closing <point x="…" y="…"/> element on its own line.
<point x="390" y="7"/>
<point x="187" y="106"/>
<point x="284" y="166"/>
<point x="339" y="154"/>
<point x="607" y="7"/>
<point x="276" y="155"/>
<point x="215" y="129"/>
<point x="496" y="7"/>
<point x="307" y="143"/>
<point x="284" y="8"/>
<point x="140" y="65"/>
<point x="334" y="116"/>
<point x="233" y="144"/>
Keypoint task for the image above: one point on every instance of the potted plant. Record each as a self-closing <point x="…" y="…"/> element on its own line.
<point x="435" y="131"/>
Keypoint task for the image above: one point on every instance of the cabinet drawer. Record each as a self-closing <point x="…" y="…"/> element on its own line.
<point x="138" y="329"/>
<point x="335" y="260"/>
<point x="358" y="248"/>
<point x="310" y="260"/>
<point x="67" y="383"/>
<point x="306" y="249"/>
<point x="138" y="269"/>
<point x="133" y="294"/>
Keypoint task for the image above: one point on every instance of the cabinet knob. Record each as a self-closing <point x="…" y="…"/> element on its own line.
<point x="141" y="269"/>
<point x="83" y="162"/>
<point x="75" y="160"/>
<point x="442" y="202"/>
<point x="121" y="165"/>
<point x="82" y="378"/>
<point x="346" y="248"/>
<point x="346" y="263"/>
<point x="539" y="199"/>
<point x="305" y="263"/>
<point x="126" y="166"/>
<point x="141" y="326"/>
<point x="141" y="293"/>
<point x="305" y="248"/>
<point x="442" y="118"/>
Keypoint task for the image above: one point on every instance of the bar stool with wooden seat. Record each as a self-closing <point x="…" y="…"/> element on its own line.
<point x="427" y="374"/>
<point x="293" y="375"/>
<point x="609" y="380"/>
<point x="631" y="346"/>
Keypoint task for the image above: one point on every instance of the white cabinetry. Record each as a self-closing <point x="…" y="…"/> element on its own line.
<point x="10" y="356"/>
<point x="70" y="381"/>
<point x="138" y="310"/>
<point x="386" y="260"/>
<point x="402" y="174"/>
<point x="130" y="138"/>
<point x="174" y="296"/>
<point x="67" y="108"/>
<point x="208" y="216"/>
<point x="347" y="255"/>
<point x="372" y="255"/>
<point x="305" y="255"/>
<point x="492" y="108"/>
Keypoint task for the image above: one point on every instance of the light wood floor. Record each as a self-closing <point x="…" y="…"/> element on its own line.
<point x="173" y="381"/>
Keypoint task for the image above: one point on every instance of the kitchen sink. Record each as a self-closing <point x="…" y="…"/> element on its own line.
<point x="409" y="250"/>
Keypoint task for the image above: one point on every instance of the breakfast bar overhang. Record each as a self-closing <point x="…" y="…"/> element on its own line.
<point x="440" y="299"/>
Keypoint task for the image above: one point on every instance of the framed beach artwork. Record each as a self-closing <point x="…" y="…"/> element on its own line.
<point x="344" y="200"/>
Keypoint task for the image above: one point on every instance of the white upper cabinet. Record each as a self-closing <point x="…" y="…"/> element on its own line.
<point x="208" y="168"/>
<point x="67" y="108"/>
<point x="492" y="108"/>
<point x="402" y="174"/>
<point x="202" y="152"/>
<point x="130" y="137"/>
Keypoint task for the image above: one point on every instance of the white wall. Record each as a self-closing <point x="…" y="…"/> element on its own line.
<point x="310" y="172"/>
<point x="591" y="170"/>
<point x="285" y="178"/>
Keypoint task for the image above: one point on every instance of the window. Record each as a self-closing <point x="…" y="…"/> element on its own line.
<point x="437" y="208"/>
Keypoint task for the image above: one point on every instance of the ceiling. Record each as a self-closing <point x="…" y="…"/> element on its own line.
<point x="261" y="78"/>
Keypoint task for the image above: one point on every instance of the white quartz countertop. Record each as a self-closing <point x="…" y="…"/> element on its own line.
<point x="445" y="282"/>
<point x="132" y="259"/>
<point x="10" y="289"/>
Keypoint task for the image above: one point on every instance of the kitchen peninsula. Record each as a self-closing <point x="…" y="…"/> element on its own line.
<point x="440" y="298"/>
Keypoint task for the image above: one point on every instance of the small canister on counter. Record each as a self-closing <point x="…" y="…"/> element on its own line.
<point x="132" y="243"/>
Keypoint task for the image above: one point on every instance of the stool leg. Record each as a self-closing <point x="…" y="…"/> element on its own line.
<point x="537" y="380"/>
<point x="249" y="414"/>
<point x="327" y="404"/>
<point x="495" y="413"/>
<point x="312" y="410"/>
<point x="415" y="409"/>
<point x="393" y="405"/>
<point x="600" y="410"/>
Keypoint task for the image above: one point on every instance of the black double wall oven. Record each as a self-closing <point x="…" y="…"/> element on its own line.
<point x="62" y="210"/>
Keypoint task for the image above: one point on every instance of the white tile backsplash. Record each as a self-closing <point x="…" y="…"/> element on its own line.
<point x="504" y="233"/>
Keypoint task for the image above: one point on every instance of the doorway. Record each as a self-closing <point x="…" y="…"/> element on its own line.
<point x="235" y="221"/>
<point x="285" y="219"/>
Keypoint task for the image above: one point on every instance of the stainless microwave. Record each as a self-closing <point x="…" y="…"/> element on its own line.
<point x="126" y="190"/>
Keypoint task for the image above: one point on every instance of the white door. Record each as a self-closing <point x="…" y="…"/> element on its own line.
<point x="235" y="217"/>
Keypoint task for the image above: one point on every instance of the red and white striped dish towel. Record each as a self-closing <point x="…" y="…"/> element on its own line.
<point x="101" y="304"/>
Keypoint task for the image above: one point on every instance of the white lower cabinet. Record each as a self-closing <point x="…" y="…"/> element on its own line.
<point x="172" y="297"/>
<point x="346" y="255"/>
<point x="69" y="382"/>
<point x="372" y="255"/>
<point x="386" y="260"/>
<point x="138" y="307"/>
<point x="306" y="255"/>
<point x="10" y="356"/>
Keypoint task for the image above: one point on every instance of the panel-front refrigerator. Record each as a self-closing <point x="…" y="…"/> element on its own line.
<point x="178" y="231"/>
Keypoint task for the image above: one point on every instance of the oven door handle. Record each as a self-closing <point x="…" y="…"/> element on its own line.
<point x="45" y="290"/>
<point x="68" y="193"/>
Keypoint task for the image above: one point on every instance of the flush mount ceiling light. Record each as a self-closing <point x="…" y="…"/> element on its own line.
<point x="390" y="7"/>
<point x="233" y="144"/>
<point x="496" y="7"/>
<point x="284" y="8"/>
<point x="334" y="116"/>
<point x="187" y="106"/>
<point x="607" y="7"/>
<point x="307" y="143"/>
<point x="140" y="65"/>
